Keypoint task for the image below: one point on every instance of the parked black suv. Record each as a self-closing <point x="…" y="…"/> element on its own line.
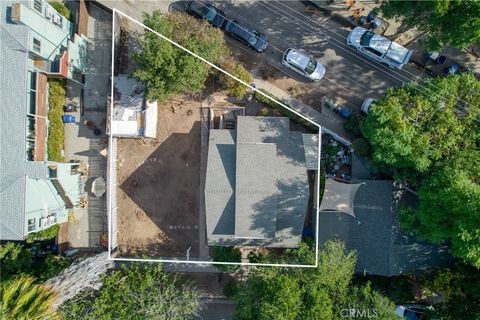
<point x="206" y="11"/>
<point x="246" y="34"/>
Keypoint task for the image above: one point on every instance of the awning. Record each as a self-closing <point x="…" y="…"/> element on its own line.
<point x="339" y="197"/>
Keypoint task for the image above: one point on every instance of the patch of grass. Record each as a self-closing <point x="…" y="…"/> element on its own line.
<point x="56" y="131"/>
<point x="262" y="99"/>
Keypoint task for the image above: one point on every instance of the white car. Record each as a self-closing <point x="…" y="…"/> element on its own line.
<point x="413" y="311"/>
<point x="303" y="64"/>
<point x="379" y="48"/>
<point x="366" y="104"/>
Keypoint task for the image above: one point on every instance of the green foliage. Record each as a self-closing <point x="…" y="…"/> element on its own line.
<point x="227" y="254"/>
<point x="235" y="88"/>
<point x="14" y="260"/>
<point x="167" y="70"/>
<point x="46" y="234"/>
<point x="62" y="9"/>
<point x="22" y="299"/>
<point x="256" y="257"/>
<point x="17" y="261"/>
<point x="353" y="123"/>
<point x="431" y="138"/>
<point x="362" y="147"/>
<point x="136" y="293"/>
<point x="447" y="22"/>
<point x="322" y="293"/>
<point x="269" y="103"/>
<point x="56" y="132"/>
<point x="399" y="289"/>
<point x="459" y="286"/>
<point x="231" y="289"/>
<point x="49" y="266"/>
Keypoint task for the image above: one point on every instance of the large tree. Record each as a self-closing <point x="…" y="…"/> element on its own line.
<point x="430" y="136"/>
<point x="136" y="293"/>
<point x="322" y="293"/>
<point x="166" y="69"/>
<point x="22" y="299"/>
<point x="454" y="23"/>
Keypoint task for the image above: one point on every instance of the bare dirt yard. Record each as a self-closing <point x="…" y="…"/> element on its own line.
<point x="158" y="185"/>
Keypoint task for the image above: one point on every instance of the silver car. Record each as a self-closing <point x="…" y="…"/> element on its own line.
<point x="303" y="64"/>
<point x="379" y="48"/>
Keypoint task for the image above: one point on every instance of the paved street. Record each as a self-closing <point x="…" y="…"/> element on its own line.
<point x="350" y="75"/>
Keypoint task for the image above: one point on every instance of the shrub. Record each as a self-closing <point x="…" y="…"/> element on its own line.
<point x="227" y="254"/>
<point x="15" y="260"/>
<point x="231" y="289"/>
<point x="362" y="147"/>
<point x="354" y="123"/>
<point x="254" y="257"/>
<point x="55" y="130"/>
<point x="235" y="88"/>
<point x="46" y="234"/>
<point x="62" y="9"/>
<point x="263" y="112"/>
<point x="49" y="266"/>
<point x="287" y="113"/>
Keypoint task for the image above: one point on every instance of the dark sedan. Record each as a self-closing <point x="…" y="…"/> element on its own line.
<point x="206" y="11"/>
<point x="246" y="34"/>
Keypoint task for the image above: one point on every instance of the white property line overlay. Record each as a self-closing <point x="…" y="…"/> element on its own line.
<point x="109" y="202"/>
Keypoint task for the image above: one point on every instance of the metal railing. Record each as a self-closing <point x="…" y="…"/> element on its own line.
<point x="112" y="191"/>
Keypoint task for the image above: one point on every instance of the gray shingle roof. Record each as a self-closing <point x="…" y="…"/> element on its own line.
<point x="259" y="178"/>
<point x="13" y="122"/>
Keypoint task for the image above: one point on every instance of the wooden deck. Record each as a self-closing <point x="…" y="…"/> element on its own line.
<point x="41" y="123"/>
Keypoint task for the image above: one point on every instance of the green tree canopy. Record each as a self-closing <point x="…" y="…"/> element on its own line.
<point x="167" y="70"/>
<point x="136" y="293"/>
<point x="323" y="293"/>
<point x="454" y="23"/>
<point x="22" y="299"/>
<point x="431" y="136"/>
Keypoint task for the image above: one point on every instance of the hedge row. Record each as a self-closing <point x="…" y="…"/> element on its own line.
<point x="287" y="113"/>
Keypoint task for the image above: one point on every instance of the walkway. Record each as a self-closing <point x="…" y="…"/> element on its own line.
<point x="331" y="123"/>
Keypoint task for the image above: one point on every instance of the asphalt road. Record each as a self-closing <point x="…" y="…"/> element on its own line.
<point x="349" y="75"/>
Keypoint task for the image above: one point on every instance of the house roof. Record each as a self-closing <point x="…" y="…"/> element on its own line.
<point x="256" y="190"/>
<point x="374" y="233"/>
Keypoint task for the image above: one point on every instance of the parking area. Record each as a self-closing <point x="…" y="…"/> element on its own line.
<point x="158" y="185"/>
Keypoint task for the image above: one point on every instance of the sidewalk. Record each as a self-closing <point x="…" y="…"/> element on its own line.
<point x="331" y="123"/>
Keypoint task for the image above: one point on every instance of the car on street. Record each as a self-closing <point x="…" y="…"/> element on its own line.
<point x="246" y="34"/>
<point x="206" y="11"/>
<point x="379" y="48"/>
<point x="413" y="311"/>
<point x="303" y="64"/>
<point x="366" y="104"/>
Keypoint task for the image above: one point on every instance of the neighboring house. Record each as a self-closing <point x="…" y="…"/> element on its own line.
<point x="36" y="44"/>
<point x="257" y="188"/>
<point x="364" y="216"/>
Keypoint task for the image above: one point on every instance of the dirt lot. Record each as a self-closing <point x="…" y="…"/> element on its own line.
<point x="158" y="186"/>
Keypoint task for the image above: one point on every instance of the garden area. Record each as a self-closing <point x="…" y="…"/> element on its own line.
<point x="56" y="133"/>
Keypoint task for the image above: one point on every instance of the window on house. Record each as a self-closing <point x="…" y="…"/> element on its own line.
<point x="36" y="45"/>
<point x="37" y="5"/>
<point x="31" y="225"/>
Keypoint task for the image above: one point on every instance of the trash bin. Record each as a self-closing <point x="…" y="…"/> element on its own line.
<point x="68" y="118"/>
<point x="371" y="16"/>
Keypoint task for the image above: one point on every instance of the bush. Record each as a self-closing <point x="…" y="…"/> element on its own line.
<point x="287" y="113"/>
<point x="254" y="257"/>
<point x="354" y="123"/>
<point x="49" y="266"/>
<point x="362" y="147"/>
<point x="46" y="234"/>
<point x="15" y="260"/>
<point x="262" y="112"/>
<point x="227" y="254"/>
<point x="60" y="7"/>
<point x="231" y="289"/>
<point x="235" y="88"/>
<point x="55" y="130"/>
